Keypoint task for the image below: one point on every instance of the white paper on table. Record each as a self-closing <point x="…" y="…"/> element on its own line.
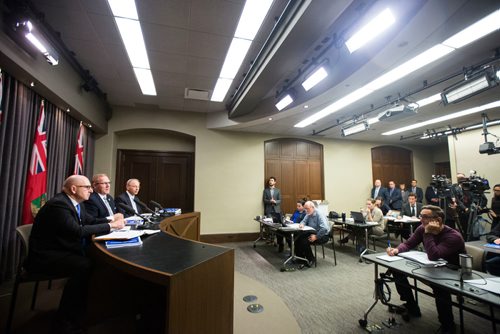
<point x="492" y="284"/>
<point x="389" y="258"/>
<point x="420" y="257"/>
<point x="117" y="235"/>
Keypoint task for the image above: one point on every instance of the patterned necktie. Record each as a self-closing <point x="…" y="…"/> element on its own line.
<point x="108" y="206"/>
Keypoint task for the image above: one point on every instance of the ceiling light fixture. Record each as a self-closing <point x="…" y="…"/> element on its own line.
<point x="371" y="30"/>
<point x="37" y="40"/>
<point x="248" y="26"/>
<point x="466" y="89"/>
<point x="434" y="53"/>
<point x="284" y="102"/>
<point x="129" y="26"/>
<point x="315" y="78"/>
<point x="458" y="114"/>
<point x="425" y="101"/>
<point x="356" y="128"/>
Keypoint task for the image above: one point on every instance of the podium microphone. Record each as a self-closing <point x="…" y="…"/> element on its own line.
<point x="127" y="208"/>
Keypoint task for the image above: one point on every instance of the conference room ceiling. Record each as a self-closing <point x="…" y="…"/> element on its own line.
<point x="187" y="41"/>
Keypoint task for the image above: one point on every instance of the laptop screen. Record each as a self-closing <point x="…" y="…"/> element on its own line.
<point x="277" y="218"/>
<point x="358" y="217"/>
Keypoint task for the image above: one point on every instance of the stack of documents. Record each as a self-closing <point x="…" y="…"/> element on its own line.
<point x="492" y="246"/>
<point x="125" y="234"/>
<point x="134" y="220"/>
<point x="124" y="243"/>
<point x="421" y="258"/>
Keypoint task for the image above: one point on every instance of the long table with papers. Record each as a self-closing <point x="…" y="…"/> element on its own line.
<point x="479" y="286"/>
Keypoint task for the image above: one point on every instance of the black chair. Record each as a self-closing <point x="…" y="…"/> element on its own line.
<point x="375" y="238"/>
<point x="23" y="276"/>
<point x="315" y="244"/>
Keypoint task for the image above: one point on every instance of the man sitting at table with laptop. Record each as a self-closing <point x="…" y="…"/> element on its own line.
<point x="440" y="242"/>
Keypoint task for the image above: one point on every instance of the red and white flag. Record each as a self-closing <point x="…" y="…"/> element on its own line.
<point x="78" y="170"/>
<point x="35" y="195"/>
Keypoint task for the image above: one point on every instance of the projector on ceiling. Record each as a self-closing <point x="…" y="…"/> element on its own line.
<point x="397" y="112"/>
<point x="488" y="148"/>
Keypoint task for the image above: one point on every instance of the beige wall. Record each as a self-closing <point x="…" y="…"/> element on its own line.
<point x="229" y="166"/>
<point x="154" y="140"/>
<point x="441" y="152"/>
<point x="464" y="155"/>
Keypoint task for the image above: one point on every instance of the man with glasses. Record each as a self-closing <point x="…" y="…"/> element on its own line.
<point x="440" y="242"/>
<point x="101" y="204"/>
<point x="56" y="247"/>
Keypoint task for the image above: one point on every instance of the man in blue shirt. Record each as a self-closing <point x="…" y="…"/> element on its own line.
<point x="318" y="222"/>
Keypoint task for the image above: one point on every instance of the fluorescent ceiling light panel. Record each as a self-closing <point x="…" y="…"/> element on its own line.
<point x="234" y="57"/>
<point x="315" y="78"/>
<point x="416" y="63"/>
<point x="469" y="88"/>
<point x="221" y="88"/>
<point x="334" y="107"/>
<point x="498" y="75"/>
<point x="124" y="8"/>
<point x="354" y="129"/>
<point x="475" y="31"/>
<point x="371" y="30"/>
<point x="372" y="120"/>
<point x="477" y="126"/>
<point x="284" y="102"/>
<point x="462" y="113"/>
<point x="251" y="18"/>
<point x="131" y="33"/>
<point x="32" y="38"/>
<point x="145" y="79"/>
<point x="426" y="101"/>
<point x="425" y="58"/>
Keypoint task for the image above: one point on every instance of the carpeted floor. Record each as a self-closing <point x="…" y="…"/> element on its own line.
<point x="332" y="299"/>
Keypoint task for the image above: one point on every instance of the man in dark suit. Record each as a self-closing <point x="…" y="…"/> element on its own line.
<point x="431" y="195"/>
<point x="379" y="191"/>
<point x="56" y="248"/>
<point x="410" y="209"/>
<point x="419" y="193"/>
<point x="272" y="205"/>
<point x="130" y="198"/>
<point x="100" y="204"/>
<point x="395" y="200"/>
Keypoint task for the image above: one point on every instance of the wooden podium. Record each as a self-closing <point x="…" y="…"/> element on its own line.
<point x="170" y="283"/>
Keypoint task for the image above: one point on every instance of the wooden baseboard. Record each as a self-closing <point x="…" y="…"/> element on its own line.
<point x="228" y="237"/>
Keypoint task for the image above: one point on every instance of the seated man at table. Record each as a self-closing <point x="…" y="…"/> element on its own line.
<point x="318" y="222"/>
<point x="493" y="259"/>
<point x="440" y="242"/>
<point x="410" y="209"/>
<point x="56" y="247"/>
<point x="372" y="214"/>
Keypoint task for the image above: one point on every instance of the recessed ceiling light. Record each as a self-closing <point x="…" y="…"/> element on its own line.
<point x="32" y="84"/>
<point x="270" y="118"/>
<point x="306" y="106"/>
<point x="68" y="110"/>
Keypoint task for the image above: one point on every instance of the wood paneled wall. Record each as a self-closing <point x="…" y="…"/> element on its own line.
<point x="298" y="168"/>
<point x="392" y="163"/>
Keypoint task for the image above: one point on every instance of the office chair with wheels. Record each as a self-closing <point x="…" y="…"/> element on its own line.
<point x="23" y="276"/>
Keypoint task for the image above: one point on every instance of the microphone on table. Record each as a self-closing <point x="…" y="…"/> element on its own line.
<point x="143" y="206"/>
<point x="130" y="210"/>
<point x="156" y="205"/>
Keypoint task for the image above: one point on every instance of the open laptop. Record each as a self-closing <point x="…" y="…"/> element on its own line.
<point x="358" y="217"/>
<point x="278" y="218"/>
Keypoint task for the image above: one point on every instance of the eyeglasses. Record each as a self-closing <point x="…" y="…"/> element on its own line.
<point x="426" y="217"/>
<point x="86" y="187"/>
<point x="104" y="182"/>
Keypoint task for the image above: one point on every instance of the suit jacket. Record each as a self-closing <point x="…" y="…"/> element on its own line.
<point x="395" y="200"/>
<point x="58" y="232"/>
<point x="419" y="192"/>
<point x="381" y="193"/>
<point x="430" y="194"/>
<point x="96" y="208"/>
<point x="406" y="209"/>
<point x="266" y="198"/>
<point x="125" y="199"/>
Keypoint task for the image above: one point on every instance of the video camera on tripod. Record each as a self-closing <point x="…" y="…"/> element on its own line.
<point x="475" y="183"/>
<point x="443" y="185"/>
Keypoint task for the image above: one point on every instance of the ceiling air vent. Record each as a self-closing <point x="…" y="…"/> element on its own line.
<point x="196" y="94"/>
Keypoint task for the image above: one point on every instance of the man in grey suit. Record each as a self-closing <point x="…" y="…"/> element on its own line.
<point x="272" y="200"/>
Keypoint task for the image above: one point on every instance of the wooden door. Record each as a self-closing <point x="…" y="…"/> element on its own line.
<point x="166" y="177"/>
<point x="392" y="163"/>
<point x="298" y="168"/>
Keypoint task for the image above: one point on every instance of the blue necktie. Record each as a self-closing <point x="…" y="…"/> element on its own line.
<point x="78" y="210"/>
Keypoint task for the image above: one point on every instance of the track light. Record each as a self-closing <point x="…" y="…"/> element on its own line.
<point x="358" y="127"/>
<point x="35" y="38"/>
<point x="468" y="88"/>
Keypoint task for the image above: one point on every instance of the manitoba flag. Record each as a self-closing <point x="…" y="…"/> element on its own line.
<point x="35" y="195"/>
<point x="79" y="152"/>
